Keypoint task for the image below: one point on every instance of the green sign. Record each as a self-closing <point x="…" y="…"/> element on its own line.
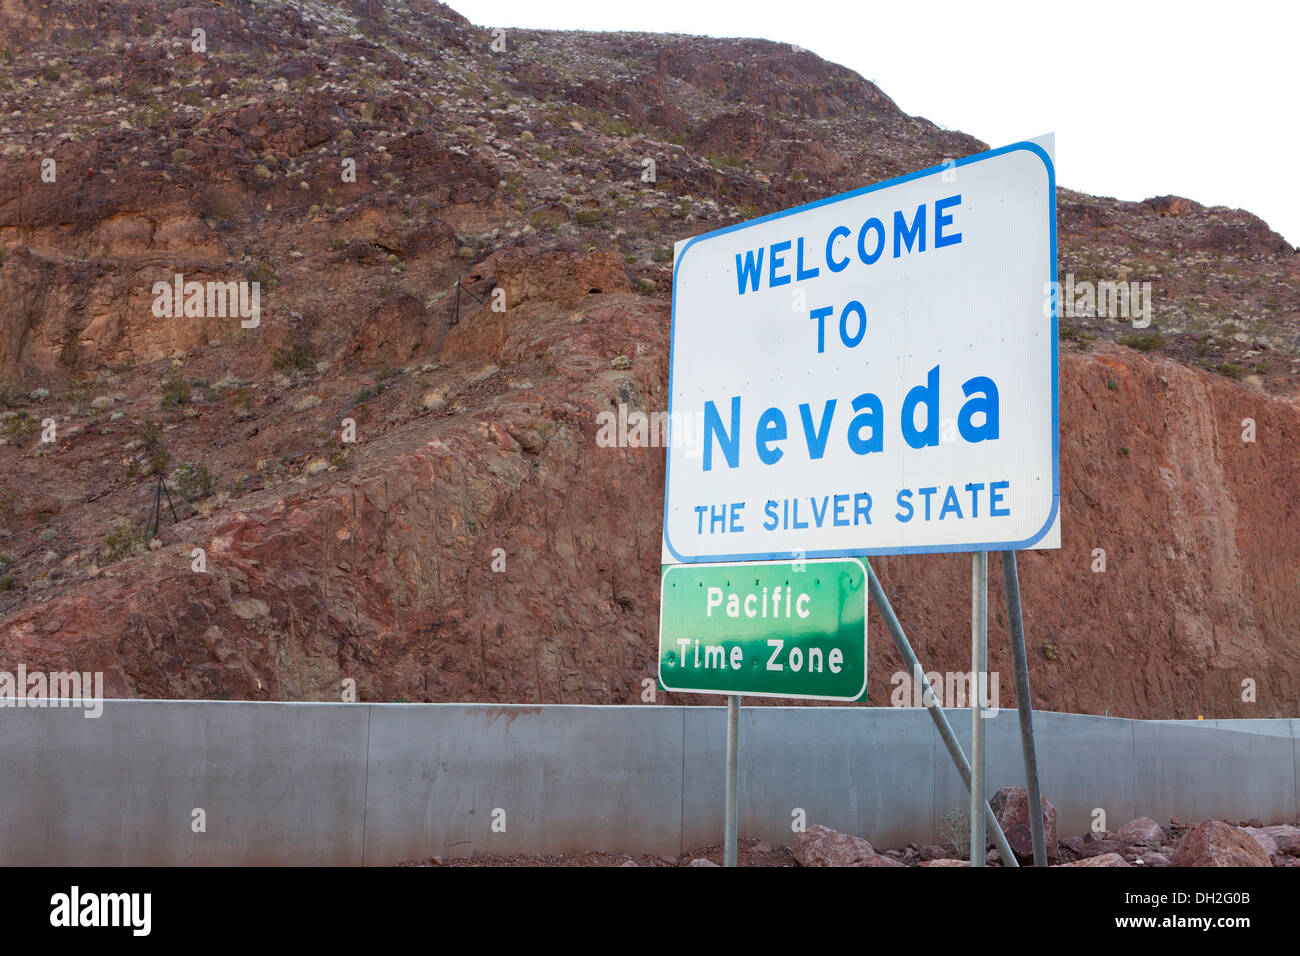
<point x="765" y="629"/>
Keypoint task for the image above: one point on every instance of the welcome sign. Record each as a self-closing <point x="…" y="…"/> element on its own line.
<point x="874" y="373"/>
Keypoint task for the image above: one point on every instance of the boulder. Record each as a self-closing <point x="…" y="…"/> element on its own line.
<point x="1073" y="844"/>
<point x="1287" y="838"/>
<point x="945" y="862"/>
<point x="1101" y="847"/>
<point x="932" y="851"/>
<point x="1215" y="843"/>
<point x="1140" y="832"/>
<point x="1010" y="806"/>
<point x="1265" y="841"/>
<point x="822" y="846"/>
<point x="1097" y="844"/>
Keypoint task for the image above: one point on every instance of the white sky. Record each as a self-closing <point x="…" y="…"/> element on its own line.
<point x="1146" y="98"/>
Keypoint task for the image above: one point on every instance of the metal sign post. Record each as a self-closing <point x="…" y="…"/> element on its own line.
<point x="935" y="710"/>
<point x="979" y="645"/>
<point x="729" y="819"/>
<point x="765" y="628"/>
<point x="1024" y="704"/>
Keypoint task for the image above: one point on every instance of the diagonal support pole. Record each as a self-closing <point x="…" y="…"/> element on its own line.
<point x="1011" y="585"/>
<point x="936" y="713"/>
<point x="979" y="666"/>
<point x="163" y="485"/>
<point x="155" y="515"/>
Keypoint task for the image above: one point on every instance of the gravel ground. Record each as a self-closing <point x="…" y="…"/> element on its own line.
<point x="750" y="853"/>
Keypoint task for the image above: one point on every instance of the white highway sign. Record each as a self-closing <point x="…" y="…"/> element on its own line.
<point x="874" y="373"/>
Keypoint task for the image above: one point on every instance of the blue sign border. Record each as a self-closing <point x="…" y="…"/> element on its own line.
<point x="925" y="549"/>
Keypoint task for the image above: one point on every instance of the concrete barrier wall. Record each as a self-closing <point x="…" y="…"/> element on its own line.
<point x="375" y="784"/>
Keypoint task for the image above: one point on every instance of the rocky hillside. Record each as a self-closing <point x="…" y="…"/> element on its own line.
<point x="385" y="171"/>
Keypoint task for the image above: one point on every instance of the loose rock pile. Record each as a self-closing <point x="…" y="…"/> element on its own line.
<point x="1140" y="842"/>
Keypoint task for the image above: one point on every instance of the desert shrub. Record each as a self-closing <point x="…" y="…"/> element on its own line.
<point x="1143" y="343"/>
<point x="1071" y="334"/>
<point x="121" y="542"/>
<point x="150" y="434"/>
<point x="955" y="826"/>
<point x="18" y="426"/>
<point x="192" y="481"/>
<point x="158" y="462"/>
<point x="241" y="399"/>
<point x="262" y="273"/>
<point x="175" y="391"/>
<point x="292" y="358"/>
